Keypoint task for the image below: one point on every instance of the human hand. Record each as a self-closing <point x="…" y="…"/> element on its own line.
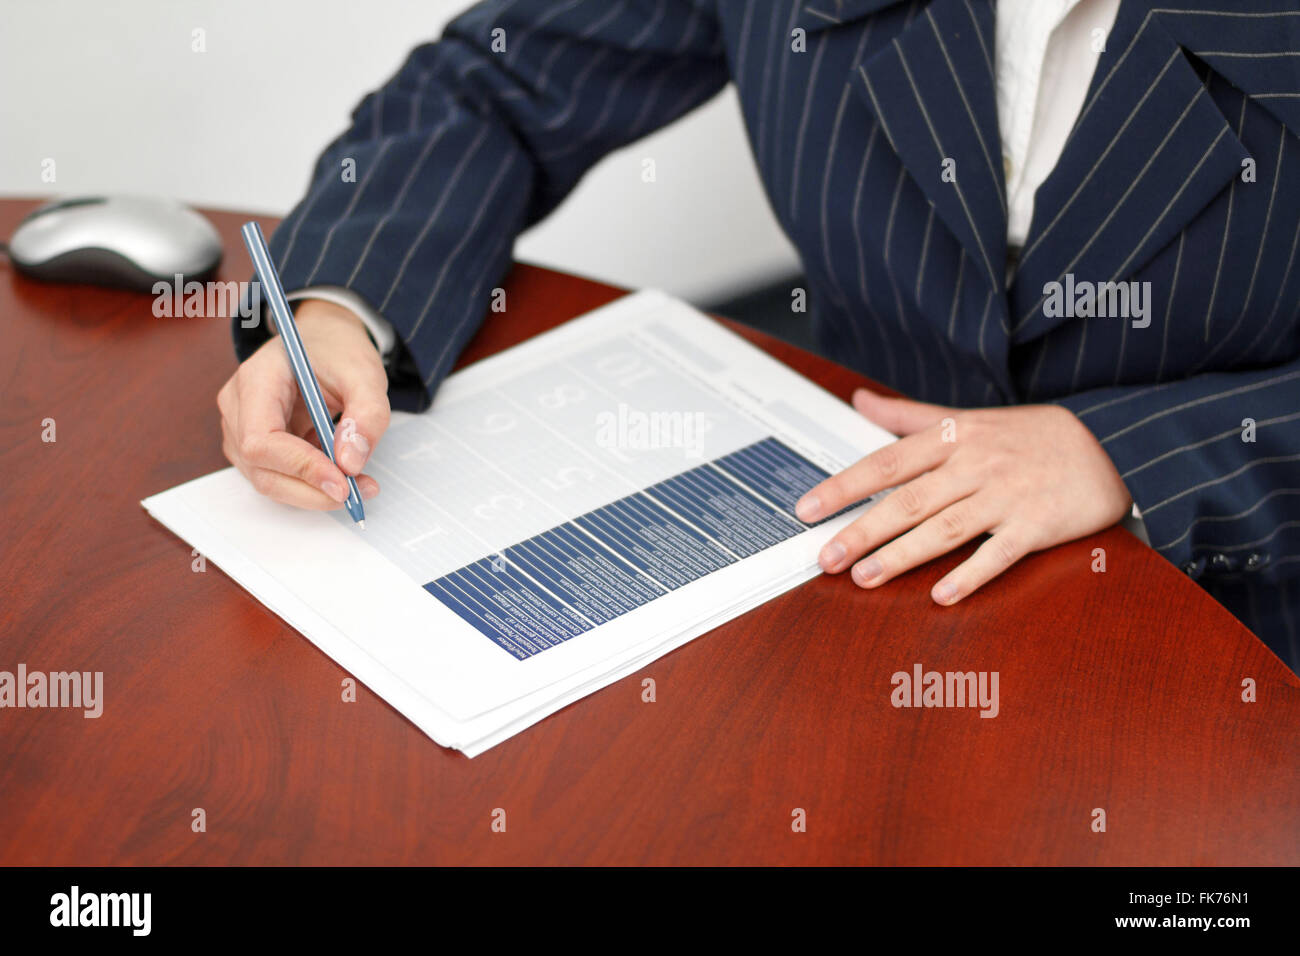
<point x="1032" y="476"/>
<point x="266" y="431"/>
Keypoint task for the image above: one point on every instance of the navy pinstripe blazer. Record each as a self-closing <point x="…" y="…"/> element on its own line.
<point x="874" y="126"/>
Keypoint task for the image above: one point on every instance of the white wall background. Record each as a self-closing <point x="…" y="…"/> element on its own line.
<point x="112" y="91"/>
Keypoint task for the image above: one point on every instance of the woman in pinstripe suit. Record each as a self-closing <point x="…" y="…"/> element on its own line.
<point x="1067" y="228"/>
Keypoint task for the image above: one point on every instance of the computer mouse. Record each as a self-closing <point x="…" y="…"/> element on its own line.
<point x="118" y="241"/>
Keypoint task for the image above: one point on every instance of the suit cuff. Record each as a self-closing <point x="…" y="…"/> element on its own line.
<point x="1106" y="414"/>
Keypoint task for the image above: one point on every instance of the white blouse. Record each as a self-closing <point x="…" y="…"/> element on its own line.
<point x="1045" y="54"/>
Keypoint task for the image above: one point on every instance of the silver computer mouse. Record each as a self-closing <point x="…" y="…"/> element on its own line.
<point x="115" y="241"/>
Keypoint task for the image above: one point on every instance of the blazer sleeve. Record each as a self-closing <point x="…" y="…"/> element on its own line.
<point x="416" y="206"/>
<point x="1213" y="464"/>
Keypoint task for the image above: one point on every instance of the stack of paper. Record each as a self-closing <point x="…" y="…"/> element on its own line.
<point x="566" y="512"/>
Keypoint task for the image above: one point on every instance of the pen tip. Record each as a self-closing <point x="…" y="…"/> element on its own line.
<point x="362" y="524"/>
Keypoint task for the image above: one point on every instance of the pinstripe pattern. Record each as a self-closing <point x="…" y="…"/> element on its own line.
<point x="464" y="147"/>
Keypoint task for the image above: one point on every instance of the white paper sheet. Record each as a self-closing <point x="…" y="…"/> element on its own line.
<point x="566" y="512"/>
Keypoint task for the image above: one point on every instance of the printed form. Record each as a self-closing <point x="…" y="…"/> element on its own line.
<point x="567" y="511"/>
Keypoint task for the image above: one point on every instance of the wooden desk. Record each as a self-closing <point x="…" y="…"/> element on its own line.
<point x="1118" y="690"/>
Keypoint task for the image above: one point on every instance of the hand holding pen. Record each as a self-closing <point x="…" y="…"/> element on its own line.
<point x="267" y="420"/>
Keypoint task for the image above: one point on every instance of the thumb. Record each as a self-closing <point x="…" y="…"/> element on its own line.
<point x="364" y="421"/>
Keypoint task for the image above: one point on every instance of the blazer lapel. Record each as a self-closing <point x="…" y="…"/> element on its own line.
<point x="932" y="89"/>
<point x="1149" y="151"/>
<point x="1254" y="51"/>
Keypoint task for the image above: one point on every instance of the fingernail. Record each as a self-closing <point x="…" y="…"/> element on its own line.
<point x="354" y="437"/>
<point x="832" y="555"/>
<point x="368" y="489"/>
<point x="868" y="570"/>
<point x="944" y="592"/>
<point x="808" y="508"/>
<point x="353" y="448"/>
<point x="335" y="490"/>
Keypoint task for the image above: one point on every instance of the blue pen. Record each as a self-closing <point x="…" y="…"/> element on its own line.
<point x="288" y="329"/>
